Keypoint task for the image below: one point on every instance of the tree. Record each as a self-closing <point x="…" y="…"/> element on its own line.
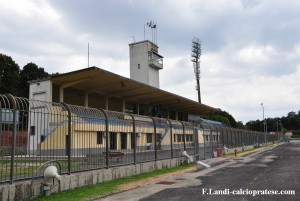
<point x="240" y="125"/>
<point x="9" y="75"/>
<point x="290" y="122"/>
<point x="223" y="117"/>
<point x="255" y="125"/>
<point x="30" y="72"/>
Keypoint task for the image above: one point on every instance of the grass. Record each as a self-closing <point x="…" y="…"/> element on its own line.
<point x="248" y="150"/>
<point x="24" y="168"/>
<point x="105" y="188"/>
<point x="239" y="152"/>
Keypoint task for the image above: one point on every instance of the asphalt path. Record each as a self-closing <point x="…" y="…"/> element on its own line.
<point x="274" y="171"/>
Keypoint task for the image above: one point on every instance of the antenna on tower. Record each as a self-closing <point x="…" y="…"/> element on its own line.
<point x="88" y="55"/>
<point x="195" y="58"/>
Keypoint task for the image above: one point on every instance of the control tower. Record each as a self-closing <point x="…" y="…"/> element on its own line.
<point x="145" y="62"/>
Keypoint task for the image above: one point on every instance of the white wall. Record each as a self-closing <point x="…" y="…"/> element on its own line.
<point x="40" y="91"/>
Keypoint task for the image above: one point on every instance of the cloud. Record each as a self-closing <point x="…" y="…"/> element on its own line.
<point x="250" y="49"/>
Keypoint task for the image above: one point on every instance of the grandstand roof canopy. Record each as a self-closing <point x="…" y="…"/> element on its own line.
<point x="97" y="80"/>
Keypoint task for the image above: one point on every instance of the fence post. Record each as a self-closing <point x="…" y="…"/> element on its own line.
<point x="218" y="135"/>
<point x="235" y="138"/>
<point x="171" y="137"/>
<point x="204" y="145"/>
<point x="155" y="148"/>
<point x="196" y="144"/>
<point x="231" y="131"/>
<point x="134" y="138"/>
<point x="238" y="138"/>
<point x="211" y="143"/>
<point x="223" y="143"/>
<point x="12" y="100"/>
<point x="69" y="136"/>
<point x="227" y="136"/>
<point x="183" y="129"/>
<point x="0" y="124"/>
<point x="107" y="136"/>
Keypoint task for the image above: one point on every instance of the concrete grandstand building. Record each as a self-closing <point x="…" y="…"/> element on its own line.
<point x="96" y="88"/>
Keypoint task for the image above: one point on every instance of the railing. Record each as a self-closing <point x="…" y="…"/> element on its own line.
<point x="81" y="138"/>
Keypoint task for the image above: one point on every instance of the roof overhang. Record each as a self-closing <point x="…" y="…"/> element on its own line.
<point x="97" y="80"/>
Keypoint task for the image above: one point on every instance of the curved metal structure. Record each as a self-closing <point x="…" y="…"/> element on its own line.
<point x="79" y="138"/>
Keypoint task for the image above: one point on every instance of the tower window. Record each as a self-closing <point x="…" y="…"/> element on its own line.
<point x="139" y="66"/>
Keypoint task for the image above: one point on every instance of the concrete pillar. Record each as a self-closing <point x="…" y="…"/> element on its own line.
<point x="106" y="103"/>
<point x="86" y="99"/>
<point x="138" y="108"/>
<point x="61" y="94"/>
<point x="123" y="105"/>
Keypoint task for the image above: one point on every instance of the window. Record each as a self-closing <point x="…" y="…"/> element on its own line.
<point x="123" y="140"/>
<point x="149" y="137"/>
<point x="132" y="139"/>
<point x="158" y="137"/>
<point x="178" y="138"/>
<point x="99" y="137"/>
<point x="32" y="130"/>
<point x="130" y="108"/>
<point x="189" y="138"/>
<point x="139" y="66"/>
<point x="113" y="140"/>
<point x="42" y="138"/>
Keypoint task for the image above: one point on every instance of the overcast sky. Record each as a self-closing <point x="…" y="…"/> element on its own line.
<point x="250" y="49"/>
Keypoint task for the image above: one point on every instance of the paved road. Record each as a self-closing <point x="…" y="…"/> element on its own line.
<point x="275" y="169"/>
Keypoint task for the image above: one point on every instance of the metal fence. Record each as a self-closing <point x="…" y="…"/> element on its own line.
<point x="32" y="133"/>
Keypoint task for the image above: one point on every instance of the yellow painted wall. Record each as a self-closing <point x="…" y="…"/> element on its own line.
<point x="84" y="135"/>
<point x="57" y="140"/>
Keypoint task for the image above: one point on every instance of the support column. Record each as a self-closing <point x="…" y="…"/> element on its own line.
<point x="86" y="99"/>
<point x="138" y="108"/>
<point x="106" y="103"/>
<point x="123" y="105"/>
<point x="61" y="94"/>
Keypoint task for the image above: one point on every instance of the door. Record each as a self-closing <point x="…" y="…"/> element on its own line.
<point x="113" y="141"/>
<point x="123" y="140"/>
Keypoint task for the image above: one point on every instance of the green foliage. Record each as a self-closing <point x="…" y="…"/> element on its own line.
<point x="290" y="122"/>
<point x="30" y="72"/>
<point x="54" y="74"/>
<point x="15" y="81"/>
<point x="240" y="125"/>
<point x="223" y="117"/>
<point x="9" y="75"/>
<point x="254" y="125"/>
<point x="296" y="132"/>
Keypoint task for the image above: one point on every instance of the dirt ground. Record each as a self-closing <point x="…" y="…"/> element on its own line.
<point x="137" y="184"/>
